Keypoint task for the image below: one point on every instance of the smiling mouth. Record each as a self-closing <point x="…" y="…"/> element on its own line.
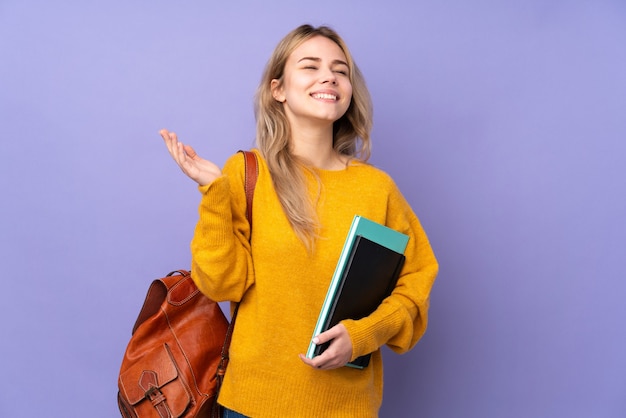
<point x="324" y="96"/>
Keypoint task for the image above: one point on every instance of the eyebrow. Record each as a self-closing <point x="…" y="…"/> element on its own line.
<point x="316" y="59"/>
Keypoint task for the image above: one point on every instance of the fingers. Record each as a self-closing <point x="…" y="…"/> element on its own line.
<point x="320" y="362"/>
<point x="338" y="352"/>
<point x="314" y="362"/>
<point x="328" y="335"/>
<point x="175" y="148"/>
<point x="170" y="140"/>
<point x="325" y="361"/>
<point x="168" y="137"/>
<point x="198" y="169"/>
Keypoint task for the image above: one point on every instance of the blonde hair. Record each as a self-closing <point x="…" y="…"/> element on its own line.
<point x="351" y="133"/>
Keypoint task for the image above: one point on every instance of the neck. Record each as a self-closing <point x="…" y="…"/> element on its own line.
<point x="314" y="145"/>
<point x="317" y="150"/>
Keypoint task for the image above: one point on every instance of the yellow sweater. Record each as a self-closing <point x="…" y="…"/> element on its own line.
<point x="281" y="287"/>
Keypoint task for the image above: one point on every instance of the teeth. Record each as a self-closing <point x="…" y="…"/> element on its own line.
<point x="325" y="96"/>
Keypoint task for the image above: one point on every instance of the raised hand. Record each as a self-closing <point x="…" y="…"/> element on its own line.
<point x="196" y="168"/>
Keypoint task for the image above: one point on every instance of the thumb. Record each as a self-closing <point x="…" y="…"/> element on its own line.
<point x="191" y="153"/>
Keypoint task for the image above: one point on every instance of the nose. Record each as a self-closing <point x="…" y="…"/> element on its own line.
<point x="329" y="77"/>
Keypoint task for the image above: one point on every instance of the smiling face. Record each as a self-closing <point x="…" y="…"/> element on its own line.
<point x="315" y="87"/>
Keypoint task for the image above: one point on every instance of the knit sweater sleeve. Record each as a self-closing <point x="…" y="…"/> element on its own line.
<point x="401" y="319"/>
<point x="220" y="248"/>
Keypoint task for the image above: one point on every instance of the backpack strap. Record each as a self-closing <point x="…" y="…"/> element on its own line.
<point x="251" y="174"/>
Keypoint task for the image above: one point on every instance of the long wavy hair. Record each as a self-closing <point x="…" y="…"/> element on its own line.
<point x="351" y="133"/>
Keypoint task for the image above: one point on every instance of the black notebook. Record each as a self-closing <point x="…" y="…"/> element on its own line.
<point x="370" y="276"/>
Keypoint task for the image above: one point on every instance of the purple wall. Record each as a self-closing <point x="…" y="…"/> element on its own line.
<point x="504" y="123"/>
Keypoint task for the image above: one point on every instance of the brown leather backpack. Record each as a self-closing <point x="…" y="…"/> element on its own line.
<point x="177" y="356"/>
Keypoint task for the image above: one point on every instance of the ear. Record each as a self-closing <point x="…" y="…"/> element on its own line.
<point x="277" y="90"/>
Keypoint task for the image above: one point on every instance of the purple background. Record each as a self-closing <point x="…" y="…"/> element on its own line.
<point x="504" y="123"/>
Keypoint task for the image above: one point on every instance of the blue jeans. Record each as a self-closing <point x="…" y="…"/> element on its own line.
<point x="228" y="413"/>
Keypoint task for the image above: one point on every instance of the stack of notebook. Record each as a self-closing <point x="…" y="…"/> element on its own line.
<point x="366" y="273"/>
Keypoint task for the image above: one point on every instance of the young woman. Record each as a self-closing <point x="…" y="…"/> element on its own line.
<point x="313" y="135"/>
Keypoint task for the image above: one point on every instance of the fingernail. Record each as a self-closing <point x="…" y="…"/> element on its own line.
<point x="316" y="340"/>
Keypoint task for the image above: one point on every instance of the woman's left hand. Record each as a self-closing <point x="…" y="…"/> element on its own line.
<point x="338" y="353"/>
